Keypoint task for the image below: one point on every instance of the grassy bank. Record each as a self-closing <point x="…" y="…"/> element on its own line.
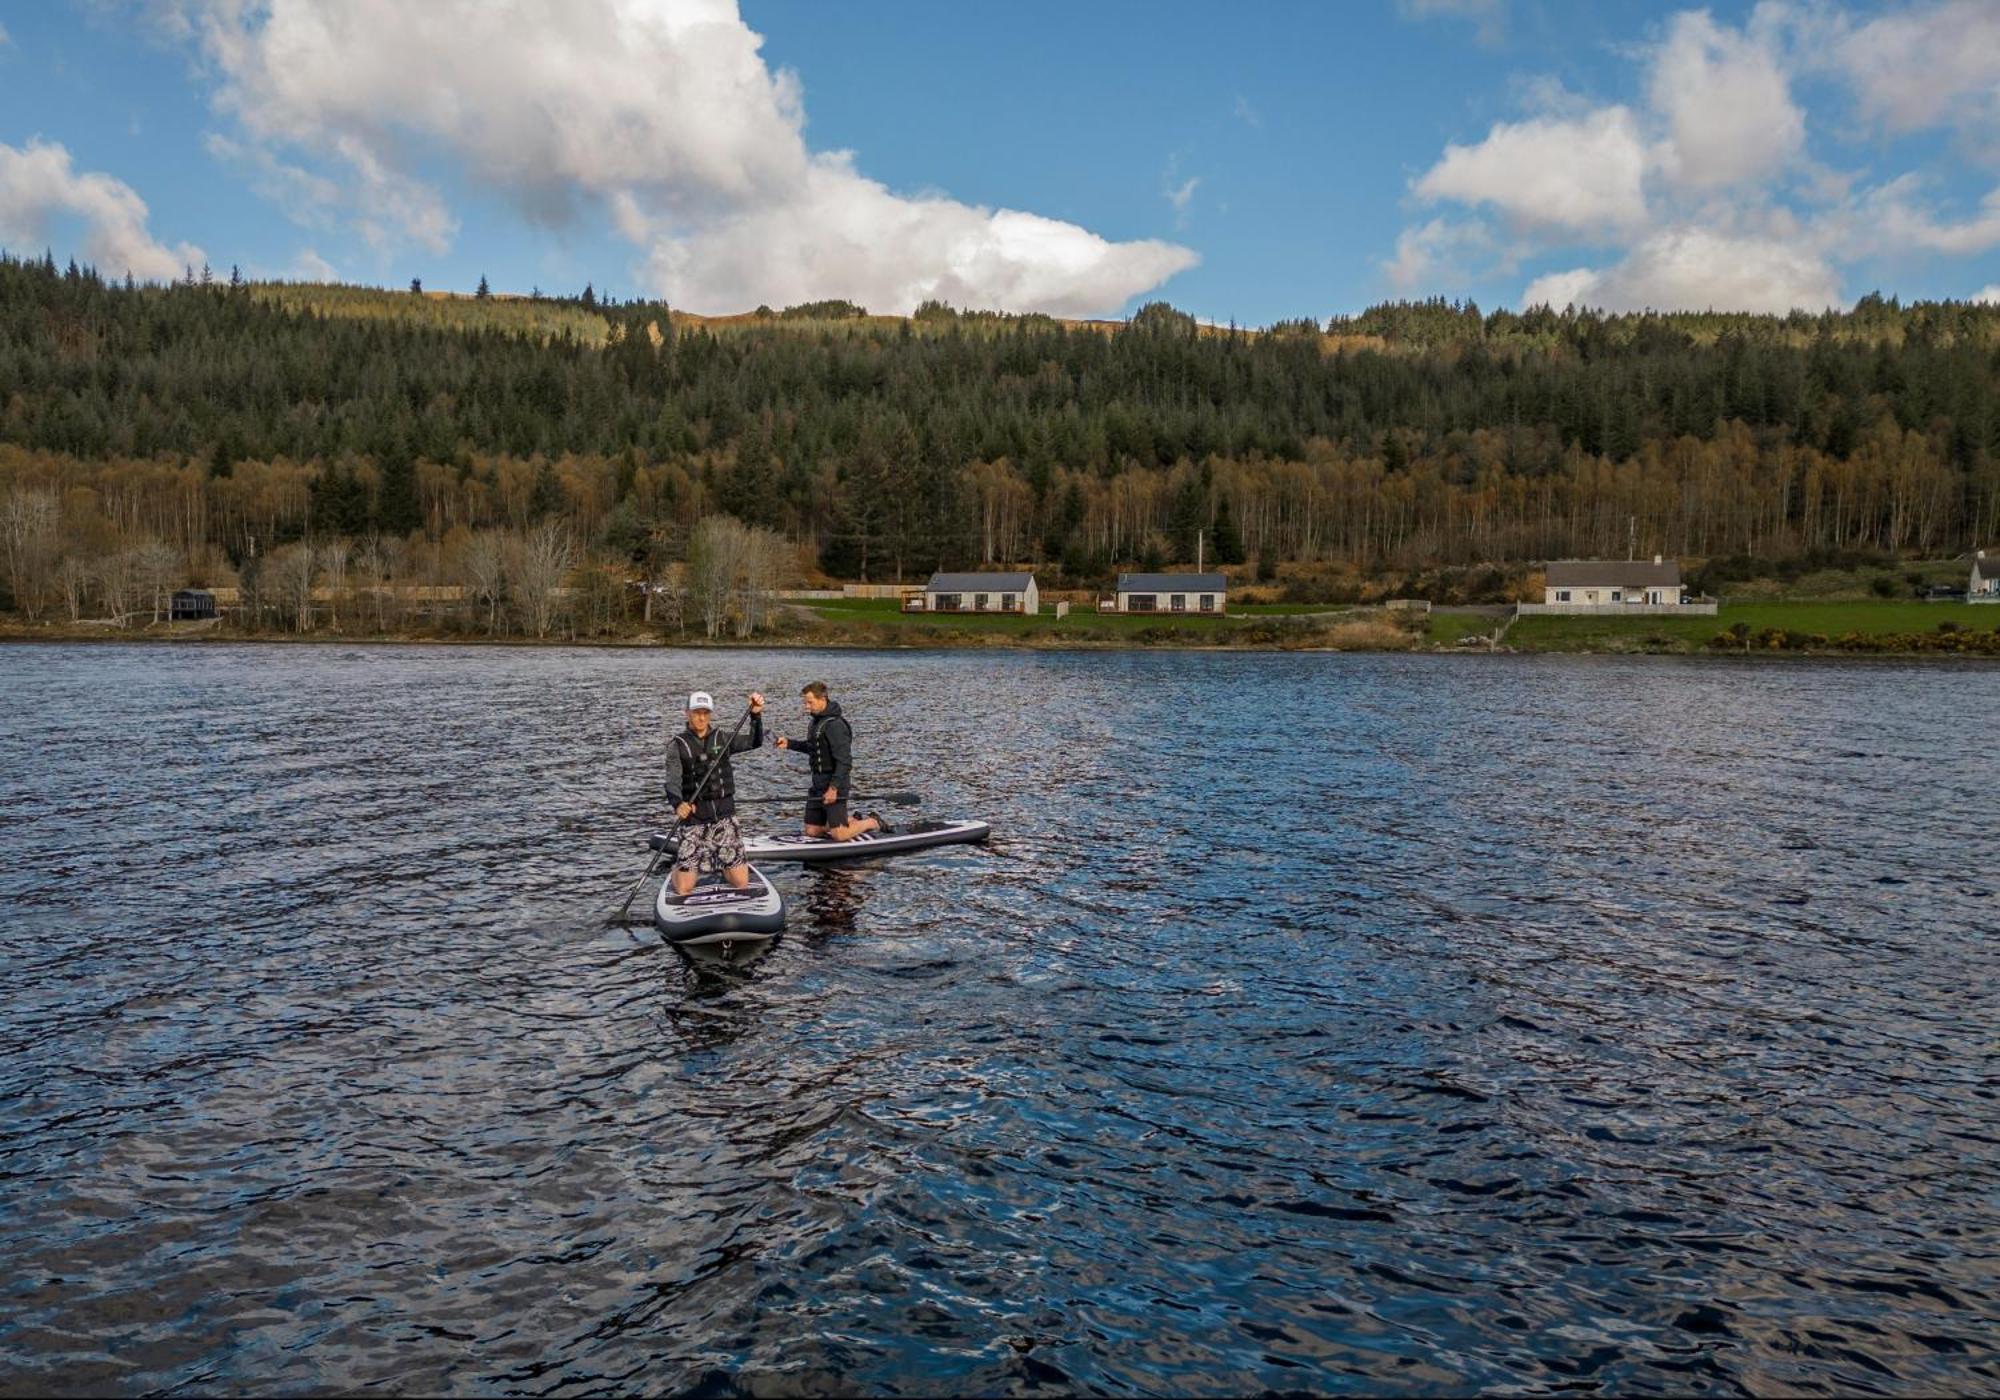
<point x="1872" y="627"/>
<point x="1824" y="626"/>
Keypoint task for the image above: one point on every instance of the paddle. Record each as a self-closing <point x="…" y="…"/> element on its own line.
<point x="893" y="799"/>
<point x="691" y="797"/>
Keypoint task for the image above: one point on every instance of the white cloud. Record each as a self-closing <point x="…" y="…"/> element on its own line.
<point x="1178" y="192"/>
<point x="1892" y="218"/>
<point x="1988" y="295"/>
<point x="1581" y="176"/>
<point x="658" y="114"/>
<point x="309" y="266"/>
<point x="1246" y="113"/>
<point x="1705" y="194"/>
<point x="1438" y="255"/>
<point x="5" y="37"/>
<point x="1696" y="269"/>
<point x="38" y="186"/>
<point x="1726" y="103"/>
<point x="1488" y="15"/>
<point x="845" y="235"/>
<point x="1923" y="67"/>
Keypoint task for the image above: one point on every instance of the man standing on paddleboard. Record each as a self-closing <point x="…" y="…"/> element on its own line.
<point x="702" y="787"/>
<point x="829" y="748"/>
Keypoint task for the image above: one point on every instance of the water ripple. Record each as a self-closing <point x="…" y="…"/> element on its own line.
<point x="1320" y="1024"/>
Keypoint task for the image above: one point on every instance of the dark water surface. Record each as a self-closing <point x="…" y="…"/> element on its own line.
<point x="1313" y="1023"/>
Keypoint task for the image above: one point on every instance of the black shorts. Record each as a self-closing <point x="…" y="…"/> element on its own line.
<point x="826" y="814"/>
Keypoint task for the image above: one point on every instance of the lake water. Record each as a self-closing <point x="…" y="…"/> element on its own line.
<point x="1393" y="1024"/>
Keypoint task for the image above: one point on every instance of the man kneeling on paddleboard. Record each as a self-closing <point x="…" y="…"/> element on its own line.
<point x="829" y="748"/>
<point x="702" y="787"/>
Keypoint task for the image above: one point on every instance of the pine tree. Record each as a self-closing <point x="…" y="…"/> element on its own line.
<point x="484" y="291"/>
<point x="416" y="286"/>
<point x="1228" y="543"/>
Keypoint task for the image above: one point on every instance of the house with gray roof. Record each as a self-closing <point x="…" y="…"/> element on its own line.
<point x="982" y="593"/>
<point x="1201" y="594"/>
<point x="1627" y="587"/>
<point x="1985" y="585"/>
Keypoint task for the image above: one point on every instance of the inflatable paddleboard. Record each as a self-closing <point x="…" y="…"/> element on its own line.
<point x="717" y="915"/>
<point x="814" y="850"/>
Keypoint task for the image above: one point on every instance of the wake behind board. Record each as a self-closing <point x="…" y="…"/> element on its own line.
<point x="716" y="917"/>
<point x="815" y="850"/>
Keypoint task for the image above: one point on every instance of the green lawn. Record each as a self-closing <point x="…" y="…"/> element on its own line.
<point x="1449" y="629"/>
<point x="1831" y="620"/>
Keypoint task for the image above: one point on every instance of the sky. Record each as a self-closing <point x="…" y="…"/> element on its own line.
<point x="1247" y="163"/>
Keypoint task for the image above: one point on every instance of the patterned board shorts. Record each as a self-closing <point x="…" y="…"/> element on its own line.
<point x="715" y="845"/>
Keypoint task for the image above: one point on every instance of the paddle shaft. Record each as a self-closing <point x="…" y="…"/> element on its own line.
<point x="894" y="799"/>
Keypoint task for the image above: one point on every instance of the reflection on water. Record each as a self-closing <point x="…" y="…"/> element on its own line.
<point x="1312" y="1023"/>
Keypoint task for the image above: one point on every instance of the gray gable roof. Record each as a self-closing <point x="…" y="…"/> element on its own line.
<point x="1986" y="569"/>
<point x="979" y="583"/>
<point x="1613" y="573"/>
<point x="1172" y="583"/>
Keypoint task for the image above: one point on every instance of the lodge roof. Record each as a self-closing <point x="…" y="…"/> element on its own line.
<point x="973" y="583"/>
<point x="1172" y="583"/>
<point x="1615" y="573"/>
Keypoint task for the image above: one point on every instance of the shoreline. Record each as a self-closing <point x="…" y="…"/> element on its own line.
<point x="150" y="636"/>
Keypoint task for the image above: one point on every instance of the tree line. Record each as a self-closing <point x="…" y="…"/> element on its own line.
<point x="226" y="421"/>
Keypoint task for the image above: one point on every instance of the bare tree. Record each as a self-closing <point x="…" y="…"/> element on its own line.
<point x="292" y="572"/>
<point x="715" y="560"/>
<point x="666" y="601"/>
<point x="117" y="576"/>
<point x="538" y="563"/>
<point x="158" y="567"/>
<point x="75" y="575"/>
<point x="334" y="555"/>
<point x="28" y="532"/>
<point x="483" y="567"/>
<point x="763" y="565"/>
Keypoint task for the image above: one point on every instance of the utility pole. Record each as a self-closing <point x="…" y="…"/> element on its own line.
<point x="1197" y="550"/>
<point x="1631" y="537"/>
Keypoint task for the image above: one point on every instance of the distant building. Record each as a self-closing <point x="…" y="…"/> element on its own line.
<point x="1631" y="587"/>
<point x="1171" y="593"/>
<point x="191" y="605"/>
<point x="982" y="593"/>
<point x="1985" y="585"/>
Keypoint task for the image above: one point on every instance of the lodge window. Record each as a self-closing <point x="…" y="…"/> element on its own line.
<point x="1006" y="602"/>
<point x="1208" y="602"/>
<point x="979" y="601"/>
<point x="1142" y="602"/>
<point x="947" y="602"/>
<point x="1562" y="595"/>
<point x="1180" y="602"/>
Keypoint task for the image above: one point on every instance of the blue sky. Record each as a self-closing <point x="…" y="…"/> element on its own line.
<point x="1246" y="163"/>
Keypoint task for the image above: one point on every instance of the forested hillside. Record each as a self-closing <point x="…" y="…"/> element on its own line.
<point x="223" y="421"/>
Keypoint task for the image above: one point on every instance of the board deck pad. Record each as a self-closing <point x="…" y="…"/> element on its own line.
<point x="813" y="850"/>
<point x="715" y="910"/>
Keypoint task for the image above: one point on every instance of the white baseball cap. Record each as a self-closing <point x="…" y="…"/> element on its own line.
<point x="701" y="700"/>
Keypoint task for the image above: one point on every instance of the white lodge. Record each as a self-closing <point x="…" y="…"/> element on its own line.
<point x="1006" y="593"/>
<point x="1985" y="584"/>
<point x="1627" y="586"/>
<point x="1202" y="594"/>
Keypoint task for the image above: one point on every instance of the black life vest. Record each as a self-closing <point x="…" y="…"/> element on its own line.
<point x="697" y="755"/>
<point x="820" y="749"/>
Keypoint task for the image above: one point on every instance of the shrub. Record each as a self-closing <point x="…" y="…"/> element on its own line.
<point x="1883" y="587"/>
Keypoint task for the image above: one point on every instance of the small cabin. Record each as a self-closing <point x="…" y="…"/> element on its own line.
<point x="1204" y="595"/>
<point x="191" y="605"/>
<point x="1985" y="585"/>
<point x="981" y="593"/>
<point x="1610" y="585"/>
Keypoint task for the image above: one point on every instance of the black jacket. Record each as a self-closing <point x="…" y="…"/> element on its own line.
<point x="689" y="757"/>
<point x="829" y="747"/>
